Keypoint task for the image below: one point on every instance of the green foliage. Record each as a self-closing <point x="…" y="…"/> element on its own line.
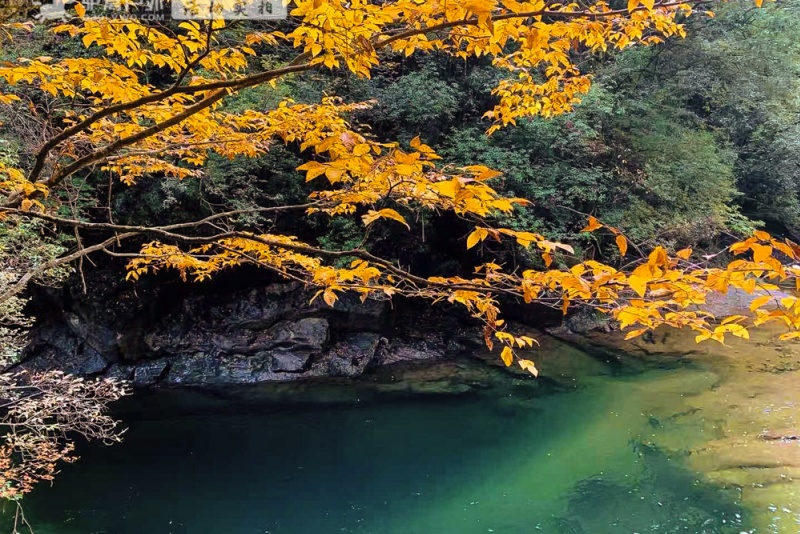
<point x="29" y="243"/>
<point x="420" y="102"/>
<point x="558" y="164"/>
<point x="342" y="234"/>
<point x="25" y="246"/>
<point x="738" y="76"/>
<point x="685" y="185"/>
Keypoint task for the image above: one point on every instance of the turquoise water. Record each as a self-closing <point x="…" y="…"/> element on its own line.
<point x="512" y="457"/>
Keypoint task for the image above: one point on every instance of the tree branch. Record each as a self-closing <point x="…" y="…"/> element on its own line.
<point x="41" y="269"/>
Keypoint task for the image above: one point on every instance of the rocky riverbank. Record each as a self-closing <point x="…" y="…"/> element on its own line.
<point x="244" y="332"/>
<point x="268" y="333"/>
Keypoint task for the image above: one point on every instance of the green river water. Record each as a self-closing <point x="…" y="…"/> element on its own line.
<point x="508" y="455"/>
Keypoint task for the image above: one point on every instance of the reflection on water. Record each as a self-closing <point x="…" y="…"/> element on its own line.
<point x="590" y="459"/>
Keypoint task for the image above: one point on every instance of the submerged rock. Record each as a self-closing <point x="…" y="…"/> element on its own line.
<point x="736" y="301"/>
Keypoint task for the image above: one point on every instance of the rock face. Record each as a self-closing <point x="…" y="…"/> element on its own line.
<point x="262" y="334"/>
<point x="736" y="301"/>
<point x="586" y="320"/>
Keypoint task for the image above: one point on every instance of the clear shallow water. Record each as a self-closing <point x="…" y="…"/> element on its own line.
<point x="513" y="459"/>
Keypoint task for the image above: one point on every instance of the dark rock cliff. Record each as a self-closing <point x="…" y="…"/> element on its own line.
<point x="241" y="333"/>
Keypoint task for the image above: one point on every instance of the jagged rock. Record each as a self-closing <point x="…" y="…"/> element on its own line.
<point x="148" y="373"/>
<point x="66" y="353"/>
<point x="350" y="356"/>
<point x="306" y="334"/>
<point x="586" y="320"/>
<point x="102" y="339"/>
<point x="90" y="362"/>
<point x="171" y="334"/>
<point x="241" y="369"/>
<point x="290" y="362"/>
<point x="192" y="370"/>
<point x="121" y="371"/>
<point x="259" y="309"/>
<point x="400" y="351"/>
<point x="202" y="369"/>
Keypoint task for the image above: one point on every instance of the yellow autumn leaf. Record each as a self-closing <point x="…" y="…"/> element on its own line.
<point x="761" y="252"/>
<point x="507" y="355"/>
<point x="8" y="99"/>
<point x="702" y="337"/>
<point x="476" y="236"/>
<point x="622" y="243"/>
<point x="735" y="329"/>
<point x="657" y="257"/>
<point x="741" y="332"/>
<point x="313" y="168"/>
<point x="565" y="247"/>
<point x="636" y="333"/>
<point x="529" y="366"/>
<point x="638" y="284"/>
<point x="733" y="318"/>
<point x="329" y="297"/>
<point x="592" y="226"/>
<point x="385" y="213"/>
